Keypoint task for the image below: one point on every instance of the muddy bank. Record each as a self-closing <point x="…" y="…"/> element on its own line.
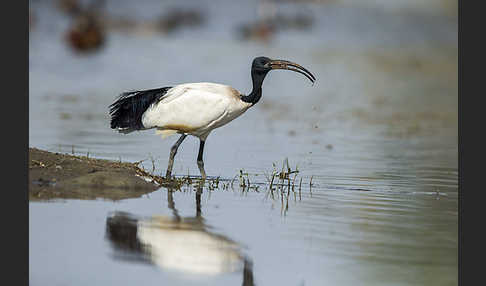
<point x="56" y="175"/>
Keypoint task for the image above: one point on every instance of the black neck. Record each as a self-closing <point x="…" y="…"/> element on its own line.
<point x="256" y="93"/>
<point x="253" y="97"/>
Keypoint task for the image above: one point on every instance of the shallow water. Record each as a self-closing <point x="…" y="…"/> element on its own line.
<point x="377" y="134"/>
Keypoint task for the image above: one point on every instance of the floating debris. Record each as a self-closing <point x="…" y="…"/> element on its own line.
<point x="177" y="18"/>
<point x="86" y="33"/>
<point x="260" y="31"/>
<point x="169" y="22"/>
<point x="70" y="7"/>
<point x="265" y="29"/>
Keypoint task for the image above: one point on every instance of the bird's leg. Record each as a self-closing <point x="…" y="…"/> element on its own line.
<point x="200" y="162"/>
<point x="171" y="204"/>
<point x="198" y="201"/>
<point x="173" y="151"/>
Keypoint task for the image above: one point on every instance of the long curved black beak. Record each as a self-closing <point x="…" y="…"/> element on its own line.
<point x="286" y="65"/>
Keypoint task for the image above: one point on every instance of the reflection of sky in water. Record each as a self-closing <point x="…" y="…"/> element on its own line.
<point x="378" y="133"/>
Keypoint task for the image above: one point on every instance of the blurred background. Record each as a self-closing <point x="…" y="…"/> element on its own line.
<point x="377" y="132"/>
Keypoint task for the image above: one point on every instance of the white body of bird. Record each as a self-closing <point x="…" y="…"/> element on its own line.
<point x="194" y="108"/>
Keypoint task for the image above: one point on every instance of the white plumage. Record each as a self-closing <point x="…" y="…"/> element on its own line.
<point x="195" y="108"/>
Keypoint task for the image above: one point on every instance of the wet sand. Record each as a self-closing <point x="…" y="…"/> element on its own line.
<point x="56" y="175"/>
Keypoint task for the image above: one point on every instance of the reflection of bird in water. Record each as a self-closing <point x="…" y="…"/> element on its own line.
<point x="193" y="108"/>
<point x="86" y="32"/>
<point x="182" y="244"/>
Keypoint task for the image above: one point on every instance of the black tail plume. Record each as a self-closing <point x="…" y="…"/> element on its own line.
<point x="127" y="110"/>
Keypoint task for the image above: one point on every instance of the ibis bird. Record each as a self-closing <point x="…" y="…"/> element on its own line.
<point x="192" y="108"/>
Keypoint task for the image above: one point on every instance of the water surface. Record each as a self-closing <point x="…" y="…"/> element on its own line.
<point x="377" y="134"/>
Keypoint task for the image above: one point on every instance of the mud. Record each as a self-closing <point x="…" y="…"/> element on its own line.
<point x="56" y="175"/>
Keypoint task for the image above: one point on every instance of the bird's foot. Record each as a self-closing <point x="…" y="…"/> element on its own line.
<point x="168" y="175"/>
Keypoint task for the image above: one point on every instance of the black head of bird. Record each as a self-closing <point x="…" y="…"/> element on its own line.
<point x="260" y="68"/>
